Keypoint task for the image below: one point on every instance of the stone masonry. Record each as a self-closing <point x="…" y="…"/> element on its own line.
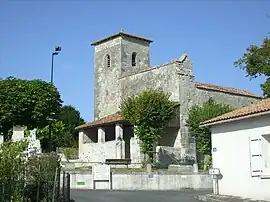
<point x="119" y="77"/>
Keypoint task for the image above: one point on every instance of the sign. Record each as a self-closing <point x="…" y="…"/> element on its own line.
<point x="80" y="183"/>
<point x="214" y="171"/>
<point x="101" y="172"/>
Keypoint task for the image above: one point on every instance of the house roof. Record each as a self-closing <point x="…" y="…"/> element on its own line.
<point x="226" y="90"/>
<point x="110" y="119"/>
<point x="256" y="109"/>
<point x="120" y="34"/>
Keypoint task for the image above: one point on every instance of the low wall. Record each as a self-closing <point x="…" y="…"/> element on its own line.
<point x="142" y="181"/>
<point x="97" y="152"/>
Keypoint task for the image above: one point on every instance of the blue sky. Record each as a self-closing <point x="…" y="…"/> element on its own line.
<point x="213" y="33"/>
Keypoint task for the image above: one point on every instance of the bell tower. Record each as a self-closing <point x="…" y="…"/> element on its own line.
<point x="117" y="56"/>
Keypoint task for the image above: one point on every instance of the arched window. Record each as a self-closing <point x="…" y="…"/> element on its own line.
<point x="108" y="60"/>
<point x="134" y="59"/>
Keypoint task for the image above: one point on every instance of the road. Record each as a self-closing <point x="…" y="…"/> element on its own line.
<point x="133" y="196"/>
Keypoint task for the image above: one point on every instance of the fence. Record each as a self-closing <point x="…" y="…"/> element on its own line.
<point x="37" y="182"/>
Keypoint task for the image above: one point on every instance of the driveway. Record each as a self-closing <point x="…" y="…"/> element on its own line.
<point x="134" y="196"/>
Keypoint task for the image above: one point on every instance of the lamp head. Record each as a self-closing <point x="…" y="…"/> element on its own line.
<point x="57" y="49"/>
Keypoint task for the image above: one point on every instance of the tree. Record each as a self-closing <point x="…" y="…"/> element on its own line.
<point x="27" y="102"/>
<point x="198" y="114"/>
<point x="149" y="111"/>
<point x="71" y="118"/>
<point x="256" y="62"/>
<point x="60" y="137"/>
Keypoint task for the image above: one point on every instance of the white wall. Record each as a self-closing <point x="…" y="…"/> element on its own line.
<point x="232" y="157"/>
<point x="1" y="139"/>
<point x="97" y="152"/>
<point x="141" y="181"/>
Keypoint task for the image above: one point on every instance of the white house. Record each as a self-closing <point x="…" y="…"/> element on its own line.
<point x="241" y="150"/>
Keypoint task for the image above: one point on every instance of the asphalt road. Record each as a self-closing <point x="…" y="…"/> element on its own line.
<point x="134" y="196"/>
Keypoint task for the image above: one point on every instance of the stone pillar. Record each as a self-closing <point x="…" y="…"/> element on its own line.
<point x="81" y="142"/>
<point x="101" y="134"/>
<point x="18" y="133"/>
<point x="120" y="143"/>
<point x="119" y="132"/>
<point x="136" y="155"/>
<point x="1" y="139"/>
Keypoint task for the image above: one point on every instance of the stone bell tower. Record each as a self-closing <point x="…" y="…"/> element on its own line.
<point x="117" y="56"/>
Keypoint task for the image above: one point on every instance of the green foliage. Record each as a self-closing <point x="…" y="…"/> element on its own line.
<point x="69" y="152"/>
<point x="71" y="118"/>
<point x="11" y="159"/>
<point x="26" y="102"/>
<point x="256" y="62"/>
<point x="40" y="175"/>
<point x="149" y="112"/>
<point x="30" y="178"/>
<point x="12" y="164"/>
<point x="208" y="163"/>
<point x="200" y="114"/>
<point x="60" y="136"/>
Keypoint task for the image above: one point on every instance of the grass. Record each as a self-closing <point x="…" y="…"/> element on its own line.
<point x="69" y="152"/>
<point x="116" y="170"/>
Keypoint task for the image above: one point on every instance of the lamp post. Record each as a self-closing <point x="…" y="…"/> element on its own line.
<point x="56" y="51"/>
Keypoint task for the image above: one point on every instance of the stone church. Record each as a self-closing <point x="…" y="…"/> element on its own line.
<point x="122" y="67"/>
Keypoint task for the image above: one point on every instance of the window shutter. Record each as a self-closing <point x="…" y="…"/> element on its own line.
<point x="255" y="157"/>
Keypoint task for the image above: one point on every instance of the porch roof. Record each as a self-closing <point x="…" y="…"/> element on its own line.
<point x="110" y="119"/>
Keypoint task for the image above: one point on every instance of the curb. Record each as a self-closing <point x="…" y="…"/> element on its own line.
<point x="206" y="198"/>
<point x="213" y="199"/>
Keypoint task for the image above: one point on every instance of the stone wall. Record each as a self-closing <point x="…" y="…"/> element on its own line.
<point x="97" y="152"/>
<point x="107" y="97"/>
<point x="142" y="50"/>
<point x="161" y="77"/>
<point x="142" y="181"/>
<point x="236" y="101"/>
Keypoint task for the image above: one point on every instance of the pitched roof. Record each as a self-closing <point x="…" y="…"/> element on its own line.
<point x="110" y="119"/>
<point x="255" y="109"/>
<point x="226" y="90"/>
<point x="120" y="34"/>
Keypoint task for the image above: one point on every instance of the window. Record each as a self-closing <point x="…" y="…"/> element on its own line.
<point x="108" y="60"/>
<point x="260" y="156"/>
<point x="134" y="59"/>
<point x="265" y="155"/>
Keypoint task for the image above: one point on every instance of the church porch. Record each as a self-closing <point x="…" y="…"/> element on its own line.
<point x="106" y="138"/>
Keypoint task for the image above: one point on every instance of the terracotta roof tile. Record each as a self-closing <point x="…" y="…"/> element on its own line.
<point x="226" y="90"/>
<point x="113" y="118"/>
<point x="256" y="108"/>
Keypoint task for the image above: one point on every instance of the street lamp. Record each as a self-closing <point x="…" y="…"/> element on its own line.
<point x="56" y="51"/>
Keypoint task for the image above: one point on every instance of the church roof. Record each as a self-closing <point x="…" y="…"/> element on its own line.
<point x="230" y="90"/>
<point x="256" y="109"/>
<point x="110" y="119"/>
<point x="120" y="34"/>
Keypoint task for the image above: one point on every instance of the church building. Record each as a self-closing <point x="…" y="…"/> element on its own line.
<point x="122" y="67"/>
